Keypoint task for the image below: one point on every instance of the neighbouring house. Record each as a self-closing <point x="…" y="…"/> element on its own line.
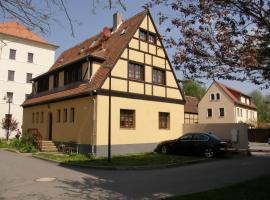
<point x="71" y="102"/>
<point x="23" y="55"/>
<point x="191" y="110"/>
<point x="223" y="104"/>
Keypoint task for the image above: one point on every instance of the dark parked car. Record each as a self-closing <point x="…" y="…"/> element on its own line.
<point x="206" y="144"/>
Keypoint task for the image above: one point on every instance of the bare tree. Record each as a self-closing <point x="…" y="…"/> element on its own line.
<point x="39" y="14"/>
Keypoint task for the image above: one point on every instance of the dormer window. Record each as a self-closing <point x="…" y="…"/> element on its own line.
<point x="73" y="74"/>
<point x="123" y="31"/>
<point x="81" y="50"/>
<point x="218" y="96"/>
<point x="56" y="80"/>
<point x="43" y="84"/>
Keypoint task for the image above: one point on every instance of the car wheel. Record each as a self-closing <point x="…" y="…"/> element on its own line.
<point x="164" y="150"/>
<point x="209" y="153"/>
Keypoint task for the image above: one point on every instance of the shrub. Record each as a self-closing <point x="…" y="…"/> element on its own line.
<point x="24" y="144"/>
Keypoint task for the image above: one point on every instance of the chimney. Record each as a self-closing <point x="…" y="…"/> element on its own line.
<point x="117" y="20"/>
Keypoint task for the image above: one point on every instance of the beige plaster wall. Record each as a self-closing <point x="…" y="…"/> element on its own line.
<point x="223" y="130"/>
<point x="146" y="129"/>
<point x="80" y="131"/>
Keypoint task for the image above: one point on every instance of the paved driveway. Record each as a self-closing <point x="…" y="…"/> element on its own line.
<point x="18" y="174"/>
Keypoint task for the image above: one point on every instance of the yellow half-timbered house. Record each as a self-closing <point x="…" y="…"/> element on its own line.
<point x="122" y="72"/>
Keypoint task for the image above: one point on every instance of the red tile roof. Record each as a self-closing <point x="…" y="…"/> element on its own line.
<point x="235" y="95"/>
<point x="191" y="105"/>
<point x="17" y="30"/>
<point x="107" y="49"/>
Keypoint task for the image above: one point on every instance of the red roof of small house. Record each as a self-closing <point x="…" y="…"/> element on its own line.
<point x="191" y="105"/>
<point x="235" y="95"/>
<point x="17" y="30"/>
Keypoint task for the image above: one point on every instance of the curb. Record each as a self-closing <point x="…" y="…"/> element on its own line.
<point x="17" y="152"/>
<point x="12" y="150"/>
<point x="128" y="167"/>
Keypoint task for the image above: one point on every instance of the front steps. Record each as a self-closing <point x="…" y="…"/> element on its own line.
<point x="48" y="146"/>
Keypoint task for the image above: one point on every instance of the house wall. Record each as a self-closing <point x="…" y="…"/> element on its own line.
<point x="191" y="118"/>
<point x="149" y="56"/>
<point x="224" y="102"/>
<point x="80" y="131"/>
<point x="146" y="134"/>
<point x="245" y="115"/>
<point x="42" y="60"/>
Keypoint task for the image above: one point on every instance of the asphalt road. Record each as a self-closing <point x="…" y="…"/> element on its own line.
<point x="18" y="176"/>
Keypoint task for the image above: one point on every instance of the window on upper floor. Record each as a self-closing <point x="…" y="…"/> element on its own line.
<point x="212" y="97"/>
<point x="217" y="96"/>
<point x="12" y="54"/>
<point x="209" y="112"/>
<point x="221" y="112"/>
<point x="56" y="80"/>
<point x="152" y="38"/>
<point x="11" y="75"/>
<point x="30" y="57"/>
<point x="158" y="76"/>
<point x="143" y="35"/>
<point x="10" y="97"/>
<point x="29" y="77"/>
<point x="73" y="74"/>
<point x="136" y="71"/>
<point x="43" y="84"/>
<point x="127" y="118"/>
<point x="164" y="120"/>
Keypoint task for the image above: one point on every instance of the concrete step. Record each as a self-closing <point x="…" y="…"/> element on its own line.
<point x="49" y="149"/>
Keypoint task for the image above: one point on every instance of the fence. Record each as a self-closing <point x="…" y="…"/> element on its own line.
<point x="258" y="135"/>
<point x="236" y="133"/>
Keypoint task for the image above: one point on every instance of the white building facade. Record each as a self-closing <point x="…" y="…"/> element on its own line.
<point x="23" y="55"/>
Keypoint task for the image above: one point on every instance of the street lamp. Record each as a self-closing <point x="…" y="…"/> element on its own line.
<point x="8" y="116"/>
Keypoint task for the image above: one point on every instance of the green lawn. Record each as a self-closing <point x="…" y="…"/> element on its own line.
<point x="143" y="159"/>
<point x="257" y="189"/>
<point x="3" y="144"/>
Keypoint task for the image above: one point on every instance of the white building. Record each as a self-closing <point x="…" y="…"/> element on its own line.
<point x="223" y="104"/>
<point x="23" y="55"/>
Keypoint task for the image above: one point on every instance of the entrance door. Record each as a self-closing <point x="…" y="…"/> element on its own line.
<point x="50" y="126"/>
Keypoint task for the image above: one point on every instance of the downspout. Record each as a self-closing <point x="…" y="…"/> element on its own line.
<point x="94" y="130"/>
<point x="93" y="134"/>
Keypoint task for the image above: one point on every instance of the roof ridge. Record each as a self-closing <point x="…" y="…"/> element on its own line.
<point x="230" y="88"/>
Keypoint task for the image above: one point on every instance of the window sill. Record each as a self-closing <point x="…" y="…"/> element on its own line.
<point x="136" y="80"/>
<point x="126" y="128"/>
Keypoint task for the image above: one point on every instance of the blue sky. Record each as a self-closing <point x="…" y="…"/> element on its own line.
<point x="86" y="23"/>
